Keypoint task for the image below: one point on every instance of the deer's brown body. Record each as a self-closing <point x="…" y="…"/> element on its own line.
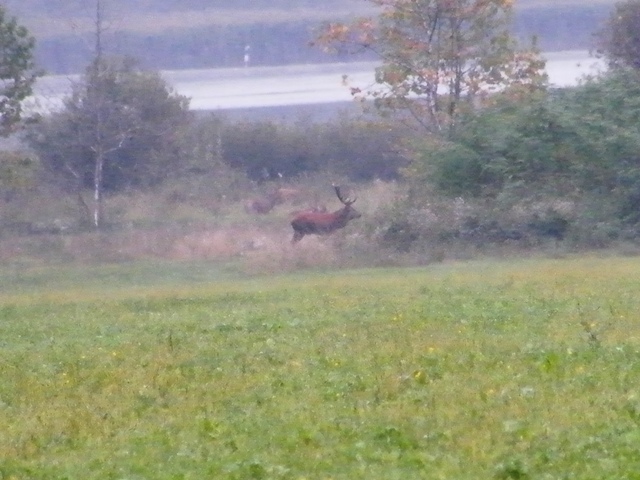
<point x="320" y="223"/>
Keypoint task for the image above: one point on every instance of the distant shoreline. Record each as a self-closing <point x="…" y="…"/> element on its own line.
<point x="279" y="32"/>
<point x="289" y="87"/>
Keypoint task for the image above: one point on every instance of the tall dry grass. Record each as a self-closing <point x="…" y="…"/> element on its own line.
<point x="189" y="224"/>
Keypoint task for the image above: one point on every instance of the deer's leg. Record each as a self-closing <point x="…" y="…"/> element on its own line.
<point x="296" y="237"/>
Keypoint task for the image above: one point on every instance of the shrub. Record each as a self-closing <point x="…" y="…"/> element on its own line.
<point x="266" y="150"/>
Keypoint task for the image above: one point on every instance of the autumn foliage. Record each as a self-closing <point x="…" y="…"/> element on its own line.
<point x="438" y="57"/>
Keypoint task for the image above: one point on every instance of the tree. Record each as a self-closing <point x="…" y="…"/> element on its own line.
<point x="581" y="144"/>
<point x="619" y="40"/>
<point x="606" y="114"/>
<point x="438" y="57"/>
<point x="119" y="128"/>
<point x="17" y="71"/>
<point x="511" y="145"/>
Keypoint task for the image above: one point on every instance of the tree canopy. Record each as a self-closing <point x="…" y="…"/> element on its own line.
<point x="438" y="56"/>
<point x="119" y="128"/>
<point x="17" y="70"/>
<point x="619" y="39"/>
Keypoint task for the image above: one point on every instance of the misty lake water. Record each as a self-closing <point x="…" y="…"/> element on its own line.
<point x="314" y="84"/>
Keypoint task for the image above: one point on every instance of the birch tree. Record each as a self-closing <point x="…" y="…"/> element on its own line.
<point x="118" y="128"/>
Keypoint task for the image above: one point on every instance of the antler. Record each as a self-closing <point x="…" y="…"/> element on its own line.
<point x="346" y="201"/>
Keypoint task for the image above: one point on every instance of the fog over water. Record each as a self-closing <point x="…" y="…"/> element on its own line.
<point x="253" y="87"/>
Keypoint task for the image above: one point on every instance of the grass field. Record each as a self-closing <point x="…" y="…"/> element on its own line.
<point x="479" y="370"/>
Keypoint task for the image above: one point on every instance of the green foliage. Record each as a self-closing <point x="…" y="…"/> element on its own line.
<point x="511" y="143"/>
<point x="17" y="70"/>
<point x="451" y="167"/>
<point x="17" y="172"/>
<point x="521" y="143"/>
<point x="605" y="115"/>
<point x="201" y="172"/>
<point x="359" y="150"/>
<point x="127" y="116"/>
<point x="363" y="150"/>
<point x="466" y="371"/>
<point x="580" y="144"/>
<point x="619" y="39"/>
<point x="273" y="149"/>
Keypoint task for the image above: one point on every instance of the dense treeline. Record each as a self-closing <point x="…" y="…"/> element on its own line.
<point x="359" y="150"/>
<point x="263" y="150"/>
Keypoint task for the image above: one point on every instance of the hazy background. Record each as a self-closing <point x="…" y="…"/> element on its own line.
<point x="179" y="34"/>
<point x="200" y="45"/>
<point x="316" y="90"/>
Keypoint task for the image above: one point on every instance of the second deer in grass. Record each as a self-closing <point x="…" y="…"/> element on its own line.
<point x="265" y="203"/>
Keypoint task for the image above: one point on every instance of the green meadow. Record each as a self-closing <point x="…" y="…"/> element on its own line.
<point x="476" y="370"/>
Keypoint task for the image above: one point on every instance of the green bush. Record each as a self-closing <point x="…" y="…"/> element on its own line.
<point x="346" y="147"/>
<point x="578" y="145"/>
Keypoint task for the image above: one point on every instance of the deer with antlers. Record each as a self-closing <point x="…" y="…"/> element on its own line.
<point x="320" y="223"/>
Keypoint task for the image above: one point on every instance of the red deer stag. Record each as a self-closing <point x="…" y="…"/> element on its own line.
<point x="318" y="223"/>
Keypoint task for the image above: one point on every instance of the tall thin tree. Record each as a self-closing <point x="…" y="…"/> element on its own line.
<point x="106" y="115"/>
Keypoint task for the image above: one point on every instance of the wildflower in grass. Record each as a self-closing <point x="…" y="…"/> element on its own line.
<point x="419" y="376"/>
